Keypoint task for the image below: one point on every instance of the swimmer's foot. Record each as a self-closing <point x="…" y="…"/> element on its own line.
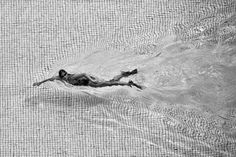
<point x="131" y="83"/>
<point x="36" y="84"/>
<point x="135" y="71"/>
<point x="128" y="73"/>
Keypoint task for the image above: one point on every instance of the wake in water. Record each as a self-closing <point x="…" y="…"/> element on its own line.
<point x="179" y="73"/>
<point x="103" y="65"/>
<point x="103" y="68"/>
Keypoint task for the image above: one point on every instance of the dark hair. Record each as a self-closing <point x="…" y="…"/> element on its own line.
<point x="62" y="73"/>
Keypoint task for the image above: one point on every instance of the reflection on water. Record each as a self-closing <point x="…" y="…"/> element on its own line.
<point x="185" y="54"/>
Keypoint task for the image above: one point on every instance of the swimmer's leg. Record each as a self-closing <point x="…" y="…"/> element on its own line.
<point x="124" y="74"/>
<point x="114" y="83"/>
<point x="108" y="83"/>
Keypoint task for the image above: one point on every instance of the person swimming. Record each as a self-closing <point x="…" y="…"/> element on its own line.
<point x="84" y="79"/>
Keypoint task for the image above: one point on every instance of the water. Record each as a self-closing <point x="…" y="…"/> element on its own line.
<point x="185" y="54"/>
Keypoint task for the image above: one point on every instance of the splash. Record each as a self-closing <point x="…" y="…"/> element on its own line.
<point x="103" y="66"/>
<point x="178" y="73"/>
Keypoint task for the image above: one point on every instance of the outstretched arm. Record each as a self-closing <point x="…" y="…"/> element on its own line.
<point x="50" y="79"/>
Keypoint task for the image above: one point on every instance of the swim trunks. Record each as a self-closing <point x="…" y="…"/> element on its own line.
<point x="81" y="82"/>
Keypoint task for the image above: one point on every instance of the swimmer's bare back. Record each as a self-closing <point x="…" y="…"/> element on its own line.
<point x="86" y="80"/>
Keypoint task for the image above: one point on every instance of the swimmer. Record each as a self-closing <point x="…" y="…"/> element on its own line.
<point x="84" y="79"/>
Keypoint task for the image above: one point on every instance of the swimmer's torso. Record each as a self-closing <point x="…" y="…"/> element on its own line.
<point x="81" y="81"/>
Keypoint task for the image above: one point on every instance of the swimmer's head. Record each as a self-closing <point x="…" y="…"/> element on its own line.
<point x="62" y="73"/>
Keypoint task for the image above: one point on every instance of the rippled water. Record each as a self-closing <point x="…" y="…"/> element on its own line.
<point x="185" y="53"/>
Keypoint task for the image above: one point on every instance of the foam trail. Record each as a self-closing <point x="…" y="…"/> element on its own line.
<point x="105" y="69"/>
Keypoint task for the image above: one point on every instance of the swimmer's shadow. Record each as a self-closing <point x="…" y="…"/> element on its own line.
<point x="64" y="99"/>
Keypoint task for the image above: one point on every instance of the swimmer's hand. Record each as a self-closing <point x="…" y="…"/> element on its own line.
<point x="50" y="79"/>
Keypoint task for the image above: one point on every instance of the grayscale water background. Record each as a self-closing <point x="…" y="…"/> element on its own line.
<point x="185" y="52"/>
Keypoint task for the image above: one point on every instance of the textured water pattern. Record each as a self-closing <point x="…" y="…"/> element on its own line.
<point x="185" y="52"/>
